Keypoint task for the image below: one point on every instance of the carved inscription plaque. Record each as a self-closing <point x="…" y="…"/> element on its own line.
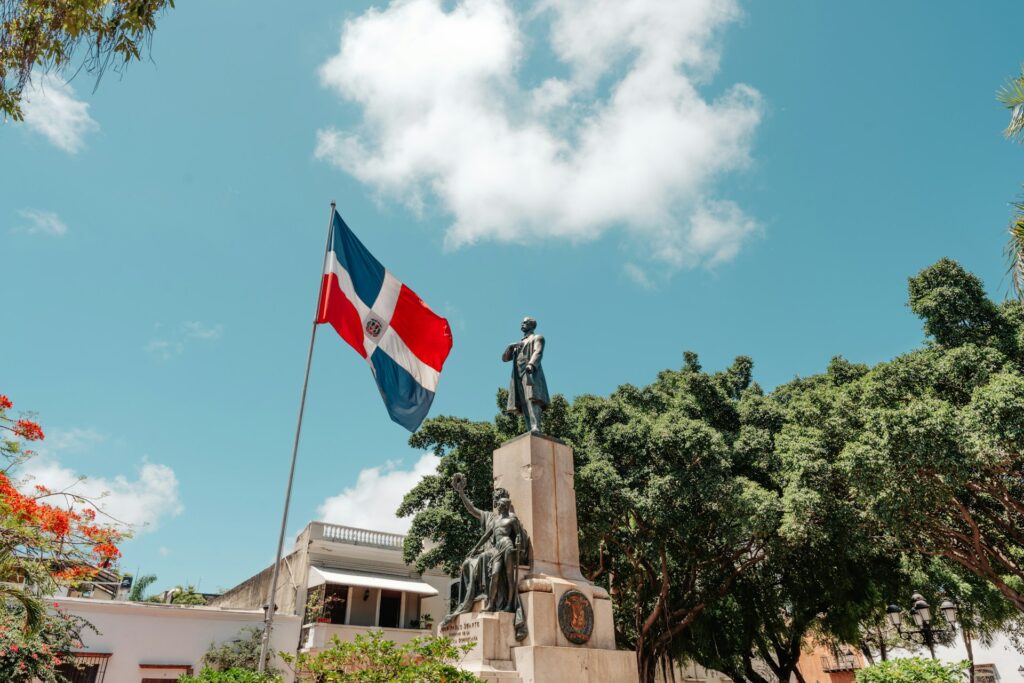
<point x="463" y="633"/>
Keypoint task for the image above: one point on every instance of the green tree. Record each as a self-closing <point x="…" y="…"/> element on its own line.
<point x="666" y="522"/>
<point x="825" y="570"/>
<point x="372" y="659"/>
<point x="241" y="653"/>
<point x="937" y="458"/>
<point x="138" y="591"/>
<point x="186" y="595"/>
<point x="913" y="670"/>
<point x="40" y="655"/>
<point x="55" y="34"/>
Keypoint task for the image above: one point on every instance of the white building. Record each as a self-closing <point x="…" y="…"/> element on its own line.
<point x="999" y="662"/>
<point x="141" y="642"/>
<point x="359" y="576"/>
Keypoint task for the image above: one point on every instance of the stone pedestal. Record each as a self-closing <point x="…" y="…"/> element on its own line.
<point x="537" y="471"/>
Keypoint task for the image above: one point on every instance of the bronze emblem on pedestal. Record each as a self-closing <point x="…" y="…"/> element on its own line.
<point x="575" y="616"/>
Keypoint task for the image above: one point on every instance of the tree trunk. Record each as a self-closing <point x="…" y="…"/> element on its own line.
<point x="970" y="652"/>
<point x="866" y="651"/>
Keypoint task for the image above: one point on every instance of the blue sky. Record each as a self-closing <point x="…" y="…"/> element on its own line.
<point x="644" y="178"/>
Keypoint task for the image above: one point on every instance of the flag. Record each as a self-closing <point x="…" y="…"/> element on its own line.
<point x="404" y="341"/>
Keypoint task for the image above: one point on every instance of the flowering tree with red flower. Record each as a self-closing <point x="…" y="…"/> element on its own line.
<point x="43" y="655"/>
<point x="48" y="538"/>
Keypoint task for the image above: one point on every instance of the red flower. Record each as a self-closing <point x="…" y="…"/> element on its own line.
<point x="5" y="402"/>
<point x="29" y="430"/>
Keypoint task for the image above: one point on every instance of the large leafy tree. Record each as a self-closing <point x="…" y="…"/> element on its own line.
<point x="825" y="570"/>
<point x="938" y="457"/>
<point x="667" y="521"/>
<point x="55" y="34"/>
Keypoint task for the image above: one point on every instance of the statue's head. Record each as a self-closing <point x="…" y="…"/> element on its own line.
<point x="501" y="499"/>
<point x="529" y="325"/>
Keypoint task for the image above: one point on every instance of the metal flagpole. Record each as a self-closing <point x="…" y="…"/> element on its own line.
<point x="271" y="607"/>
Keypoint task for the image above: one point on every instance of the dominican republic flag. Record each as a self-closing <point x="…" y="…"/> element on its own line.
<point x="404" y="341"/>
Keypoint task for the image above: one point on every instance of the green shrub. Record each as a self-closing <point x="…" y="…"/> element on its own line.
<point x="372" y="659"/>
<point x="235" y="675"/>
<point x="914" y="670"/>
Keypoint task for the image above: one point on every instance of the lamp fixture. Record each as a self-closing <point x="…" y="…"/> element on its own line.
<point x="921" y="614"/>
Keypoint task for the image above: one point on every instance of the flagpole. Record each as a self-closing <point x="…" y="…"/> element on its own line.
<point x="271" y="607"/>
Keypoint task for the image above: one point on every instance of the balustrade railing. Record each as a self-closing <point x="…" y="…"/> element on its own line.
<point x="348" y="534"/>
<point x="842" y="662"/>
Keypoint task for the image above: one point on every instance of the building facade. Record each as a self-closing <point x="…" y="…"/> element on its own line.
<point x="141" y="642"/>
<point x="342" y="581"/>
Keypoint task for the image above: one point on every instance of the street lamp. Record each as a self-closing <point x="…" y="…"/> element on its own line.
<point x="921" y="613"/>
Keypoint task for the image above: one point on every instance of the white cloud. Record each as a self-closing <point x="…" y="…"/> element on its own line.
<point x="42" y="223"/>
<point x="372" y="502"/>
<point x="197" y="330"/>
<point x="51" y="109"/>
<point x="174" y="344"/>
<point x="141" y="502"/>
<point x="638" y="275"/>
<point x="624" y="138"/>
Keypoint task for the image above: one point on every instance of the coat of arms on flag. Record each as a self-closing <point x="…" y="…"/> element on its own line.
<point x="404" y="341"/>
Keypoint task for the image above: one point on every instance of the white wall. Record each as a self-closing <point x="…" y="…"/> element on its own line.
<point x="144" y="633"/>
<point x="1001" y="653"/>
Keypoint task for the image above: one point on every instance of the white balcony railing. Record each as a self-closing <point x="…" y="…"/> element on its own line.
<point x="348" y="534"/>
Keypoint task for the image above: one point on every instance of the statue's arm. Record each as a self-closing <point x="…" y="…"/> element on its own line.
<point x="510" y="351"/>
<point x="473" y="510"/>
<point x="538" y="351"/>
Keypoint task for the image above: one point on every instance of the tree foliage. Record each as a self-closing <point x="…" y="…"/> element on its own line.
<point x="139" y="586"/>
<point x="37" y="655"/>
<point x="186" y="595"/>
<point x="55" y="34"/>
<point x="913" y="670"/>
<point x="241" y="653"/>
<point x="937" y="457"/>
<point x="48" y="538"/>
<point x="373" y="659"/>
<point x="235" y="675"/>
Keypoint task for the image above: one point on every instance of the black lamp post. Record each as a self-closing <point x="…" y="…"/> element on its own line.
<point x="921" y="613"/>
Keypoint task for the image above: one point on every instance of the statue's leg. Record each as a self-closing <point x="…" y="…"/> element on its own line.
<point x="511" y="581"/>
<point x="533" y="421"/>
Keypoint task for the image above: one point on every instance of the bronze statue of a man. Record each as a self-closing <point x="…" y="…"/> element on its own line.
<point x="491" y="570"/>
<point x="528" y="390"/>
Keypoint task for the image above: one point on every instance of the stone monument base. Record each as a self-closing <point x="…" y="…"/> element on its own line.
<point x="496" y="656"/>
<point x="572" y="642"/>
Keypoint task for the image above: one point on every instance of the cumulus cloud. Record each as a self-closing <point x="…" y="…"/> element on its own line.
<point x="173" y="342"/>
<point x="378" y="491"/>
<point x="620" y="136"/>
<point x="141" y="501"/>
<point x="42" y="223"/>
<point x="51" y="109"/>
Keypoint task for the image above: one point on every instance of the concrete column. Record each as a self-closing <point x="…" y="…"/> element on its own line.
<point x="538" y="473"/>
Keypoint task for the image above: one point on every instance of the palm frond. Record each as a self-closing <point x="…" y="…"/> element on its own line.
<point x="1014" y="250"/>
<point x="1012" y="97"/>
<point x="139" y="588"/>
<point x="32" y="606"/>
